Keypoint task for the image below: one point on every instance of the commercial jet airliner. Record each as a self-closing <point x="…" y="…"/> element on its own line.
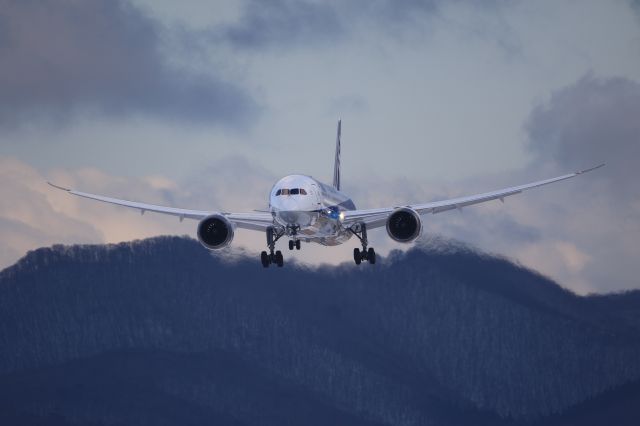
<point x="302" y="208"/>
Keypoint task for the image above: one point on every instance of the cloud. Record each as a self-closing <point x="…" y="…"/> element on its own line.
<point x="351" y="103"/>
<point x="593" y="121"/>
<point x="60" y="58"/>
<point x="583" y="232"/>
<point x="27" y="217"/>
<point x="33" y="214"/>
<point x="285" y="23"/>
<point x="267" y="22"/>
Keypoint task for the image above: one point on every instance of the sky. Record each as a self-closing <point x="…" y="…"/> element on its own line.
<point x="205" y="104"/>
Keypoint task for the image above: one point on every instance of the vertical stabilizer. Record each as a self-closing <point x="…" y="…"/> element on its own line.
<point x="336" y="164"/>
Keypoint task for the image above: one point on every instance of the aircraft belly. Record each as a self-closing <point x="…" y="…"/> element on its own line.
<point x="325" y="231"/>
<point x="302" y="219"/>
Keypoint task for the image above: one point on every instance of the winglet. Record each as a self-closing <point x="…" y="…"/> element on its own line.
<point x="591" y="169"/>
<point x="336" y="164"/>
<point x="59" y="187"/>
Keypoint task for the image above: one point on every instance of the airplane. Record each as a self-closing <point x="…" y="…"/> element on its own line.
<point x="302" y="208"/>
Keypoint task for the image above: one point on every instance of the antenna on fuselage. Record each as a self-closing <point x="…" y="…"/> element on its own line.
<point x="336" y="164"/>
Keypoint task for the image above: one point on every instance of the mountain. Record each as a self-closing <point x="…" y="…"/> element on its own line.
<point x="163" y="332"/>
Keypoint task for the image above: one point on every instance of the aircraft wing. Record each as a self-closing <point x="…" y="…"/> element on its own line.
<point x="375" y="218"/>
<point x="257" y="221"/>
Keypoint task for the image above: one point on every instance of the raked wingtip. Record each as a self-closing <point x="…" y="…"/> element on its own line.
<point x="59" y="187"/>
<point x="591" y="169"/>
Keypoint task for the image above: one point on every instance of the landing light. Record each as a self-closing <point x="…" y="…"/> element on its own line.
<point x="333" y="212"/>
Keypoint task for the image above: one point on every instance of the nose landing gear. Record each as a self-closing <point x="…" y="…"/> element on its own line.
<point x="294" y="244"/>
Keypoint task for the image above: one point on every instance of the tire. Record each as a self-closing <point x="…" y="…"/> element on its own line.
<point x="290" y="244"/>
<point x="297" y="244"/>
<point x="371" y="255"/>
<point x="279" y="259"/>
<point x="264" y="258"/>
<point x="357" y="257"/>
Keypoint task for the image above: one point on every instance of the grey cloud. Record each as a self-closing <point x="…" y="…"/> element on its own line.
<point x="592" y="121"/>
<point x="582" y="232"/>
<point x="284" y="23"/>
<point x="399" y="11"/>
<point x="230" y="184"/>
<point x="267" y="22"/>
<point x="500" y="226"/>
<point x="348" y="103"/>
<point x="101" y="56"/>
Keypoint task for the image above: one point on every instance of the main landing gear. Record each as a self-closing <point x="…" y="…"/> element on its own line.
<point x="273" y="257"/>
<point x="360" y="231"/>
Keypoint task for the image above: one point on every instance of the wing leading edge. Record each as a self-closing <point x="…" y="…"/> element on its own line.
<point x="375" y="218"/>
<point x="257" y="221"/>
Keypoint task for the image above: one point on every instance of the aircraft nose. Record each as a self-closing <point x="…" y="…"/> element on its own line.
<point x="286" y="203"/>
<point x="289" y="216"/>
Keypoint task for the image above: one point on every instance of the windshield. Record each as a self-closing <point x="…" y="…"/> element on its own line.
<point x="292" y="191"/>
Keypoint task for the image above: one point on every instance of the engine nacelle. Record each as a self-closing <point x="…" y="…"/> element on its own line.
<point x="404" y="225"/>
<point x="215" y="232"/>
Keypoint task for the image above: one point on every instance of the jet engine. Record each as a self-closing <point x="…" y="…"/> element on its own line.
<point x="404" y="225"/>
<point x="215" y="232"/>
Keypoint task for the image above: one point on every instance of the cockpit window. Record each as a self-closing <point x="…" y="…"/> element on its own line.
<point x="292" y="191"/>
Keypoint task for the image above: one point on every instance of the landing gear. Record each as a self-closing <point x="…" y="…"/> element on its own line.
<point x="369" y="255"/>
<point x="294" y="244"/>
<point x="360" y="231"/>
<point x="292" y="231"/>
<point x="276" y="257"/>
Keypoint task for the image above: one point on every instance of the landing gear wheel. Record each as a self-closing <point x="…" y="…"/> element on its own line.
<point x="360" y="231"/>
<point x="297" y="244"/>
<point x="279" y="259"/>
<point x="371" y="255"/>
<point x="264" y="258"/>
<point x="267" y="258"/>
<point x="290" y="244"/>
<point x="357" y="256"/>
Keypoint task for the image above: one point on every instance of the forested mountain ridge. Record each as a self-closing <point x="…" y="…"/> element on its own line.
<point x="161" y="331"/>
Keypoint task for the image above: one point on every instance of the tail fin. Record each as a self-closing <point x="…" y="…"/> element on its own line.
<point x="336" y="164"/>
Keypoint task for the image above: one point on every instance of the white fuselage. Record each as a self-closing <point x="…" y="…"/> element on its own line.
<point x="310" y="210"/>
